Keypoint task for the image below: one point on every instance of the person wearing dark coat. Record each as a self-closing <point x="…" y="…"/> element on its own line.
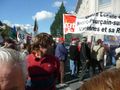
<point x="84" y="51"/>
<point x="85" y="56"/>
<point x="73" y="55"/>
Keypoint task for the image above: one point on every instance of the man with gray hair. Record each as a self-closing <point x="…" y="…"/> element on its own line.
<point x="12" y="70"/>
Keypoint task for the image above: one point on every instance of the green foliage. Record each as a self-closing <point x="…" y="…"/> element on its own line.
<point x="56" y="28"/>
<point x="5" y="32"/>
<point x="8" y="32"/>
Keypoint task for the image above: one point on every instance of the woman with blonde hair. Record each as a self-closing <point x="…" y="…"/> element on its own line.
<point x="107" y="80"/>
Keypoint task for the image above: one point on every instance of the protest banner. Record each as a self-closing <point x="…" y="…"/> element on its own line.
<point x="69" y="23"/>
<point x="98" y="23"/>
<point x="103" y="23"/>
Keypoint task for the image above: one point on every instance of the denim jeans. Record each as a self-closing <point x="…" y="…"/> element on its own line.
<point x="73" y="67"/>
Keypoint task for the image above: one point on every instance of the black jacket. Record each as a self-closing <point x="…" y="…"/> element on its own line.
<point x="85" y="52"/>
<point x="73" y="52"/>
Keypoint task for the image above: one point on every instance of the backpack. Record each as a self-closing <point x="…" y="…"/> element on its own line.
<point x="95" y="53"/>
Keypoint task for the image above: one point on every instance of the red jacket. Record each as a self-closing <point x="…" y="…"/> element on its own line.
<point x="43" y="72"/>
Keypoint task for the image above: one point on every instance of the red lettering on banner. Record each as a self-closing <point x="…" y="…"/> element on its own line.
<point x="66" y="30"/>
<point x="69" y="28"/>
<point x="72" y="29"/>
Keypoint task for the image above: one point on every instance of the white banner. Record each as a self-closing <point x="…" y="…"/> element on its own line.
<point x="98" y="23"/>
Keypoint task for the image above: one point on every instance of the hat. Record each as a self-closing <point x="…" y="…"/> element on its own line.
<point x="61" y="39"/>
<point x="74" y="39"/>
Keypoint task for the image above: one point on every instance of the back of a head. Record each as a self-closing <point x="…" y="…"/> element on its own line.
<point x="107" y="80"/>
<point x="12" y="43"/>
<point x="43" y="39"/>
<point x="74" y="41"/>
<point x="11" y="56"/>
<point x="99" y="41"/>
<point x="12" y="69"/>
<point x="84" y="39"/>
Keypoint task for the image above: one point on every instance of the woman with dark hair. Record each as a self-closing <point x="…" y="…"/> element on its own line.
<point x="43" y="69"/>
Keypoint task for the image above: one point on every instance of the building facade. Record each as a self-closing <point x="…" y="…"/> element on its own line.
<point x="87" y="7"/>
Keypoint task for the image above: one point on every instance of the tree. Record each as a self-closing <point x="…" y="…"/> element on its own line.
<point x="5" y="32"/>
<point x="56" y="28"/>
<point x="35" y="29"/>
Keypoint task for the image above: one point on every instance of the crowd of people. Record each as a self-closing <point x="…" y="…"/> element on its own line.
<point x="39" y="65"/>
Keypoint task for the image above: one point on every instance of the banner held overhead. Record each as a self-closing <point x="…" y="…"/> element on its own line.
<point x="98" y="23"/>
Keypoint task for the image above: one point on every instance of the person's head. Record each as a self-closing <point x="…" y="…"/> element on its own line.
<point x="23" y="46"/>
<point x="61" y="40"/>
<point x="84" y="39"/>
<point x="41" y="43"/>
<point x="108" y="80"/>
<point x="79" y="43"/>
<point x="10" y="43"/>
<point x="99" y="42"/>
<point x="12" y="70"/>
<point x="73" y="41"/>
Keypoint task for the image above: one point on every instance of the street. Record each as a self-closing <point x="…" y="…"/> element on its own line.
<point x="75" y="83"/>
<point x="72" y="83"/>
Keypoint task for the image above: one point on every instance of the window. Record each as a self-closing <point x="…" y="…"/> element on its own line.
<point x="104" y="1"/>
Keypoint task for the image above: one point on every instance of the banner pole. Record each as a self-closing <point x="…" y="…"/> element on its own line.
<point x="63" y="28"/>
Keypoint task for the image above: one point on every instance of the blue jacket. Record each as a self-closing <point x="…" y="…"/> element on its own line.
<point x="61" y="52"/>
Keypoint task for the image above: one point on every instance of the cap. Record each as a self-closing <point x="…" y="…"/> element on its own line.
<point x="61" y="39"/>
<point x="74" y="39"/>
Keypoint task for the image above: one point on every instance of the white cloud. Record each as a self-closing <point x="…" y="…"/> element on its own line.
<point x="7" y="22"/>
<point x="43" y="15"/>
<point x="72" y="12"/>
<point x="58" y="3"/>
<point x="22" y="26"/>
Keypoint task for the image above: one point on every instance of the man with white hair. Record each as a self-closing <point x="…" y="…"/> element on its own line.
<point x="12" y="70"/>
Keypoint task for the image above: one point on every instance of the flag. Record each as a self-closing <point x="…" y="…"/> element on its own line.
<point x="13" y="33"/>
<point x="69" y="23"/>
<point x="35" y="29"/>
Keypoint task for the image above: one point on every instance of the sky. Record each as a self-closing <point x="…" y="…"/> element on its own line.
<point x="23" y="12"/>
